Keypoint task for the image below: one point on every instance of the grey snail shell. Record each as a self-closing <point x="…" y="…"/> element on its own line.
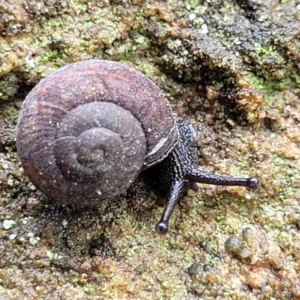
<point x="87" y="130"/>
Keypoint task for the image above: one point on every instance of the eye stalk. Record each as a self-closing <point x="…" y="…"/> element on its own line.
<point x="254" y="183"/>
<point x="162" y="227"/>
<point x="179" y="171"/>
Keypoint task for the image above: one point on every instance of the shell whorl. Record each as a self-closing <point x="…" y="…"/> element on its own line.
<point x="85" y="132"/>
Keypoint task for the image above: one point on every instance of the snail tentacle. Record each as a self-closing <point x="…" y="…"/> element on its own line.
<point x="179" y="172"/>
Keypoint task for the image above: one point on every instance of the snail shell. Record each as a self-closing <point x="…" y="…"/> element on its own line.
<point x="87" y="130"/>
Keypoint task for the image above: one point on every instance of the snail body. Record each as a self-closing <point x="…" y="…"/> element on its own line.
<point x="87" y="130"/>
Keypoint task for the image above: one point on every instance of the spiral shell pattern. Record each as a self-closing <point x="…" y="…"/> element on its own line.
<point x="87" y="130"/>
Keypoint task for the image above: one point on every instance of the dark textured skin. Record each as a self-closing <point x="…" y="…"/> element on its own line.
<point x="179" y="172"/>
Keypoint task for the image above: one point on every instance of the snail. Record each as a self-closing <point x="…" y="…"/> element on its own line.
<point x="86" y="131"/>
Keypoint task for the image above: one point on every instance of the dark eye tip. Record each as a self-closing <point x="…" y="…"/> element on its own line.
<point x="161" y="228"/>
<point x="253" y="183"/>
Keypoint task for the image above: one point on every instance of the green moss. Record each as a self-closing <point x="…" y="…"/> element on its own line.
<point x="51" y="56"/>
<point x="273" y="102"/>
<point x="10" y="113"/>
<point x="267" y="51"/>
<point x="144" y="265"/>
<point x="195" y="3"/>
<point x="8" y="86"/>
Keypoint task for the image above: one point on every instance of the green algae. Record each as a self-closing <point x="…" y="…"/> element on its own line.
<point x="240" y="89"/>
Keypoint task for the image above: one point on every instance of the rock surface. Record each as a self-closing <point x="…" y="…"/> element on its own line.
<point x="231" y="67"/>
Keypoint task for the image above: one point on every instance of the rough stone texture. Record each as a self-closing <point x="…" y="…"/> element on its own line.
<point x="232" y="67"/>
